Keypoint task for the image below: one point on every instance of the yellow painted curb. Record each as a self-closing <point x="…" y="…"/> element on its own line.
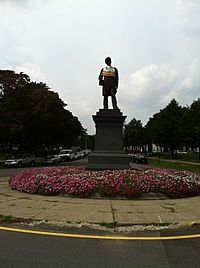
<point x="100" y="237"/>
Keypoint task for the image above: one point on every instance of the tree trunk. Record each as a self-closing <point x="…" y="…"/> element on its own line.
<point x="172" y="151"/>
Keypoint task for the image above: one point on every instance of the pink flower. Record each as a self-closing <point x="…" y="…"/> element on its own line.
<point x="129" y="183"/>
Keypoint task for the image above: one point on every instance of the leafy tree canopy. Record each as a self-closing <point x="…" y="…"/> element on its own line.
<point x="134" y="133"/>
<point x="163" y="127"/>
<point x="175" y="126"/>
<point x="32" y="115"/>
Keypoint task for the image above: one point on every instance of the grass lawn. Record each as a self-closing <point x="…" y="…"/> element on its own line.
<point x="4" y="156"/>
<point x="189" y="157"/>
<point x="174" y="165"/>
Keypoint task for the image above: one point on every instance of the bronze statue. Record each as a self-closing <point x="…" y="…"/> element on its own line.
<point x="109" y="78"/>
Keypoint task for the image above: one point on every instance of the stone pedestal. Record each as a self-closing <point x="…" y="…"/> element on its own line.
<point x="109" y="150"/>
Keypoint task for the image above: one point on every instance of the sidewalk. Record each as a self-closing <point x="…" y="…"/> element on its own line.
<point x="74" y="210"/>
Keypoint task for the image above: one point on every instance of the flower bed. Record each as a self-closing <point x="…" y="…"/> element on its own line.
<point x="77" y="181"/>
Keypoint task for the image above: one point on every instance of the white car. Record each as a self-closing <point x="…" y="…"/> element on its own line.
<point x="76" y="156"/>
<point x="82" y="154"/>
<point x="67" y="155"/>
<point x="20" y="160"/>
<point x="52" y="159"/>
<point x="181" y="152"/>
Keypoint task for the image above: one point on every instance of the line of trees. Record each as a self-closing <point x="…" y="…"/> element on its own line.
<point x="172" y="128"/>
<point x="32" y="116"/>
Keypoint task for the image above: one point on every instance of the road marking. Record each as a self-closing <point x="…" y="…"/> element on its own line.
<point x="160" y="219"/>
<point x="99" y="236"/>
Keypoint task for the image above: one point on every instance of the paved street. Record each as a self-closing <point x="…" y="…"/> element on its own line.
<point x="6" y="172"/>
<point x="27" y="250"/>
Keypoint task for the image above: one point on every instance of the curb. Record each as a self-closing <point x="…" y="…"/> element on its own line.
<point x="113" y="228"/>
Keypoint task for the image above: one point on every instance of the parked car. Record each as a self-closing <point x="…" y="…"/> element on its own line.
<point x="181" y="152"/>
<point x="52" y="159"/>
<point x="67" y="155"/>
<point x="82" y="154"/>
<point x="86" y="152"/>
<point x="76" y="155"/>
<point x="20" y="160"/>
<point x="138" y="158"/>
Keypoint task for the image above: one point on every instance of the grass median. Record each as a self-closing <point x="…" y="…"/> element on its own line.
<point x="163" y="163"/>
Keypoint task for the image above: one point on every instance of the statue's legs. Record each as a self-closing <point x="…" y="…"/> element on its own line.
<point x="114" y="102"/>
<point x="112" y="93"/>
<point x="113" y="97"/>
<point x="105" y="102"/>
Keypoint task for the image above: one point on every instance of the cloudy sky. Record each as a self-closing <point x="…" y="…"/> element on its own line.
<point x="155" y="44"/>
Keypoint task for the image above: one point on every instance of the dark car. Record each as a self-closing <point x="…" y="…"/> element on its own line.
<point x="138" y="158"/>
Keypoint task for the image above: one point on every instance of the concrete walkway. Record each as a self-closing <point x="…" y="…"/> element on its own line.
<point x="74" y="210"/>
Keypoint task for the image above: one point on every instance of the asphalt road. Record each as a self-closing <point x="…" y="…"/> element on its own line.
<point x="28" y="250"/>
<point x="7" y="172"/>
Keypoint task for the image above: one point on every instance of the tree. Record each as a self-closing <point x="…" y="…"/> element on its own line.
<point x="190" y="124"/>
<point x="134" y="135"/>
<point x="10" y="81"/>
<point x="32" y="115"/>
<point x="185" y="129"/>
<point x="163" y="127"/>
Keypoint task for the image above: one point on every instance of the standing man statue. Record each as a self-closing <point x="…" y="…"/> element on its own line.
<point x="109" y="78"/>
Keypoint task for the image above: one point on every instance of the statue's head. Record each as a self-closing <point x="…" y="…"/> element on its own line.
<point x="108" y="61"/>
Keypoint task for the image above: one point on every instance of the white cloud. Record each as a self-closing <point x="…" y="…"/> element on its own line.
<point x="33" y="71"/>
<point x="30" y="69"/>
<point x="151" y="88"/>
<point x="189" y="88"/>
<point x="188" y="16"/>
<point x="84" y="109"/>
<point x="148" y="85"/>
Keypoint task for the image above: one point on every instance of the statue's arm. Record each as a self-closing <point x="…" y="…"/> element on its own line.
<point x="116" y="78"/>
<point x="101" y="78"/>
